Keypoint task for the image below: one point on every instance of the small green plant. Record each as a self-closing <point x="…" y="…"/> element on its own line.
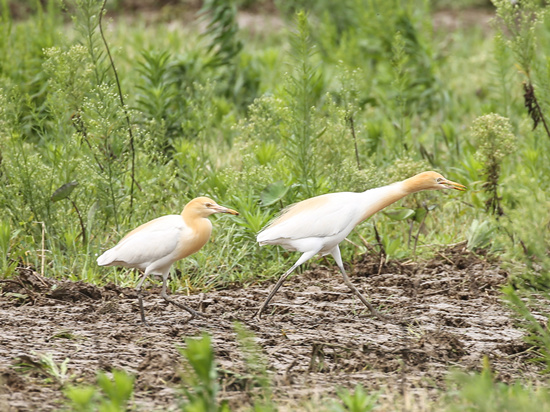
<point x="117" y="390"/>
<point x="158" y="96"/>
<point x="82" y="398"/>
<point x="400" y="84"/>
<point x="356" y="400"/>
<point x="538" y="335"/>
<point x="518" y="22"/>
<point x="64" y="192"/>
<point x="59" y="372"/>
<point x="479" y="235"/>
<point x="109" y="395"/>
<point x="481" y="392"/>
<point x="221" y="29"/>
<point x="7" y="236"/>
<point x="301" y="133"/>
<point x="201" y="377"/>
<point x="256" y="364"/>
<point x="495" y="140"/>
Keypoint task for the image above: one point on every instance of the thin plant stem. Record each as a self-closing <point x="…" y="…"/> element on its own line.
<point x="352" y="127"/>
<point x="82" y="227"/>
<point x="533" y="107"/>
<point x="419" y="228"/>
<point x="121" y="97"/>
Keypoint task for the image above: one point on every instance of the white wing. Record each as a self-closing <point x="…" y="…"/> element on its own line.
<point x="148" y="243"/>
<point x="319" y="217"/>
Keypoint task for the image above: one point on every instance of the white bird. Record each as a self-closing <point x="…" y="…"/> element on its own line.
<point x="154" y="246"/>
<point x="317" y="225"/>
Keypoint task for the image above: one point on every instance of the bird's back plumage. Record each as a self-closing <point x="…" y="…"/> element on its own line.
<point x="321" y="216"/>
<point x="156" y="244"/>
<point x="324" y="221"/>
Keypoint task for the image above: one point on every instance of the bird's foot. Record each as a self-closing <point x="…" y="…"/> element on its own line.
<point x="383" y="317"/>
<point x="403" y="320"/>
<point x="387" y="318"/>
<point x="194" y="314"/>
<point x="257" y="316"/>
<point x="202" y="314"/>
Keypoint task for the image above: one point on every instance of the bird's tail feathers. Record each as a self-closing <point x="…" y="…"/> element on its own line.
<point x="106" y="258"/>
<point x="262" y="237"/>
<point x="265" y="239"/>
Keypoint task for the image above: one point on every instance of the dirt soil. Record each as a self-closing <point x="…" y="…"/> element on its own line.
<point x="317" y="335"/>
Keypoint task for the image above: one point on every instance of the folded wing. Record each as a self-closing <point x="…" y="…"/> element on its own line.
<point x="319" y="217"/>
<point x="154" y="241"/>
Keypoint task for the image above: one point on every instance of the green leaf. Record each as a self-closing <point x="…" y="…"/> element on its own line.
<point x="273" y="193"/>
<point x="117" y="390"/>
<point x="64" y="191"/>
<point x="357" y="400"/>
<point x="81" y="396"/>
<point x="419" y="214"/>
<point x="200" y="355"/>
<point x="399" y="214"/>
<point x="480" y="234"/>
<point x="16" y="295"/>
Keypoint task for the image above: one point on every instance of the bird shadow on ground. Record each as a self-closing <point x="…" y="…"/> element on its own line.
<point x="315" y="335"/>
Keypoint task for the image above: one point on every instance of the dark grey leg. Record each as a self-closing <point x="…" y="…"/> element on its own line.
<point x="163" y="293"/>
<point x="338" y="258"/>
<point x="140" y="298"/>
<point x="306" y="256"/>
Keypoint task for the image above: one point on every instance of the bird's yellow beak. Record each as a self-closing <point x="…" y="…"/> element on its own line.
<point x="222" y="209"/>
<point x="453" y="185"/>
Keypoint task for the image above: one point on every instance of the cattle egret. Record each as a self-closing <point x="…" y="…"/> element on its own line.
<point x="317" y="225"/>
<point x="154" y="246"/>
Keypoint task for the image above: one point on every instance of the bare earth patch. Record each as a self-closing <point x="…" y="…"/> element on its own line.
<point x="316" y="336"/>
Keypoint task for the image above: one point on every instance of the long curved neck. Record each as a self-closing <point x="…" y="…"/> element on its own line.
<point x="374" y="200"/>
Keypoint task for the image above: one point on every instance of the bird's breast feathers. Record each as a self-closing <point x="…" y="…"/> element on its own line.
<point x="192" y="241"/>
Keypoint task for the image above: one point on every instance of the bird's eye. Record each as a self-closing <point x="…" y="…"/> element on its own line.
<point x="439" y="179"/>
<point x="208" y="204"/>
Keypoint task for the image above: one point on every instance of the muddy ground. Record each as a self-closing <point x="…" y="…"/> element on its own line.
<point x="317" y="335"/>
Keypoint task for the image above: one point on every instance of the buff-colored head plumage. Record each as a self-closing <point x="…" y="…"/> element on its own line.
<point x="430" y="181"/>
<point x="204" y="207"/>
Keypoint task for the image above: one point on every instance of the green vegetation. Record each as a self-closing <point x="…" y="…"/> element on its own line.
<point x="353" y="104"/>
<point x="113" y="394"/>
<point x="480" y="392"/>
<point x="469" y="392"/>
<point x="200" y="376"/>
<point x="108" y="121"/>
